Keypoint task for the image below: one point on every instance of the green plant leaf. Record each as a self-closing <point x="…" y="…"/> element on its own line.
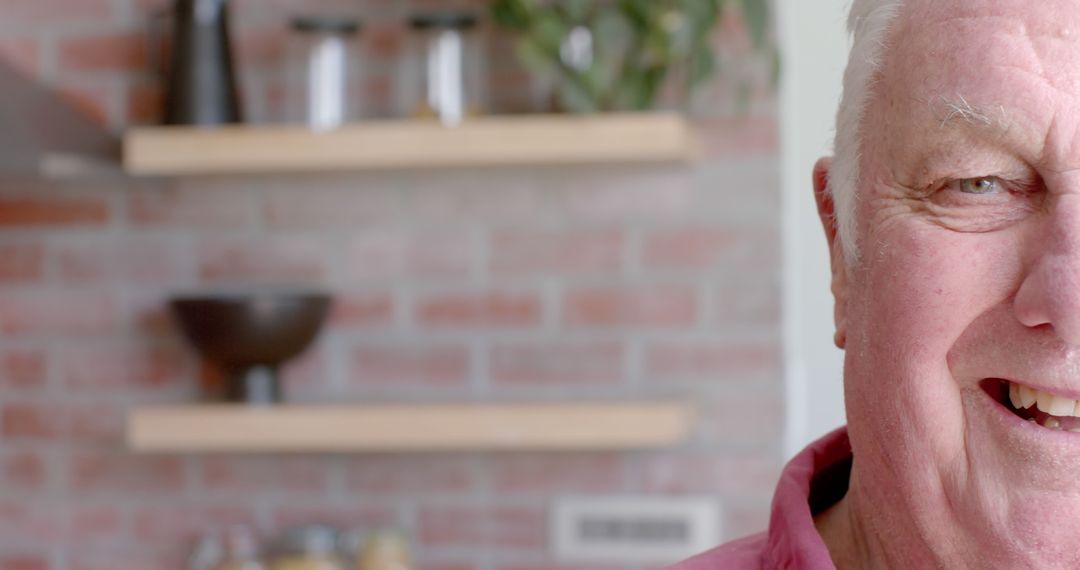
<point x="513" y="14"/>
<point x="756" y="14"/>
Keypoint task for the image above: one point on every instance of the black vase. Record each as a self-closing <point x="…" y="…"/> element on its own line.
<point x="201" y="86"/>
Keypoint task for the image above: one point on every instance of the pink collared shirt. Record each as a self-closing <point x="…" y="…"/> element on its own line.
<point x="813" y="480"/>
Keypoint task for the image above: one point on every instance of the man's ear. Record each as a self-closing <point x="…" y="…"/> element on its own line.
<point x="827" y="213"/>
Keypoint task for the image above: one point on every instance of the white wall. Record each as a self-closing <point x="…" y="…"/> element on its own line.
<point x="814" y="45"/>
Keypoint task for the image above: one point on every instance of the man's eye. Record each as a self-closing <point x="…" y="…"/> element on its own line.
<point x="987" y="185"/>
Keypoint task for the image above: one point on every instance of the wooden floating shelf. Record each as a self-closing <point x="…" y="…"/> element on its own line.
<point x="396" y="428"/>
<point x="486" y="141"/>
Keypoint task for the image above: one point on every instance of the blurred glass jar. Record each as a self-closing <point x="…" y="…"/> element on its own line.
<point x="443" y="69"/>
<point x="323" y="83"/>
<point x="235" y="549"/>
<point x="309" y="548"/>
<point x="385" y="551"/>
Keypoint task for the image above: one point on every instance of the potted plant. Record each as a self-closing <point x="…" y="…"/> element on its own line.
<point x="619" y="55"/>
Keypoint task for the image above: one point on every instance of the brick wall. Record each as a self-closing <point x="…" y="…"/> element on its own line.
<point x="539" y="284"/>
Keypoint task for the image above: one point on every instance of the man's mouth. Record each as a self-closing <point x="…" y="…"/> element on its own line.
<point x="1051" y="411"/>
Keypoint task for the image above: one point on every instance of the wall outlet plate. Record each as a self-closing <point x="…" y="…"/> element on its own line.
<point x="645" y="529"/>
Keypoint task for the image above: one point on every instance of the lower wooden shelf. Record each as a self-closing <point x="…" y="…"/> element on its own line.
<point x="396" y="428"/>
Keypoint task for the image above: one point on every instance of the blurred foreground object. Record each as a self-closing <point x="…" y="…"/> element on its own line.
<point x="619" y="55"/>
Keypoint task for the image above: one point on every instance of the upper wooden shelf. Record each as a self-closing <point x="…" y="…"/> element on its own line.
<point x="394" y="428"/>
<point x="486" y="141"/>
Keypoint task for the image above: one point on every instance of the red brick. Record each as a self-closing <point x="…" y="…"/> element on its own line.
<point x="688" y="248"/>
<point x="381" y="475"/>
<point x="124" y="474"/>
<point x="396" y="254"/>
<point x="268" y="260"/>
<point x="323" y="202"/>
<point x="308" y="374"/>
<point x="748" y="298"/>
<point x="21" y="262"/>
<point x="628" y="194"/>
<point x="33" y="210"/>
<point x="23" y="54"/>
<point x="482" y="527"/>
<point x="262" y="474"/>
<point x="389" y="367"/>
<point x="91" y="526"/>
<point x="123" y="369"/>
<point x="32" y="14"/>
<point x="557" y="251"/>
<point x="135" y="262"/>
<point x="60" y="313"/>
<point x="23" y="471"/>
<point x="739" y="136"/>
<point x="564" y="363"/>
<point x="93" y="99"/>
<point x="145" y="104"/>
<point x="503" y="197"/>
<point x="262" y="46"/>
<point x="557" y="473"/>
<point x="384" y="41"/>
<point x="711" y="361"/>
<point x="173" y="524"/>
<point x="192" y="205"/>
<point x="25" y="562"/>
<point x="479" y="309"/>
<point x="28" y="525"/>
<point x="355" y="310"/>
<point x="23" y="368"/>
<point x="146" y="311"/>
<point x="341" y="516"/>
<point x="650" y="306"/>
<point x="755" y="419"/>
<point x="729" y="475"/>
<point x="124" y="51"/>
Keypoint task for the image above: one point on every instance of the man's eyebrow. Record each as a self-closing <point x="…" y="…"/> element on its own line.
<point x="957" y="109"/>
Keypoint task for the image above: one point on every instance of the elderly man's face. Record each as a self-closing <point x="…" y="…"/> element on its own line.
<point x="968" y="285"/>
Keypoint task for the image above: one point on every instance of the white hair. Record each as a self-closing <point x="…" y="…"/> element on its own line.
<point x="868" y="24"/>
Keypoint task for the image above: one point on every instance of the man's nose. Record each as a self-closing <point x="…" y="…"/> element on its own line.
<point x="1050" y="291"/>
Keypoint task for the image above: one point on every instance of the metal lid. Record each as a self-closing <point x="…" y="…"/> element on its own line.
<point x="342" y="25"/>
<point x="451" y="20"/>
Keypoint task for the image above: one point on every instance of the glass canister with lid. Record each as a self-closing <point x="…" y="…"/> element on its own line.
<point x="324" y="72"/>
<point x="443" y="71"/>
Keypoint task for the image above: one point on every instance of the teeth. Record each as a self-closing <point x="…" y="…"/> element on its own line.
<point x="1027" y="396"/>
<point x="1043" y="401"/>
<point x="1014" y="396"/>
<point x="1063" y="407"/>
<point x="1023" y="397"/>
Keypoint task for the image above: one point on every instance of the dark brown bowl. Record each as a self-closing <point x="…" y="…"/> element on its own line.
<point x="249" y="334"/>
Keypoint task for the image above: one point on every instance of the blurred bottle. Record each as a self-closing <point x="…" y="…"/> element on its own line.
<point x="309" y="548"/>
<point x="201" y="87"/>
<point x="442" y="73"/>
<point x="385" y="551"/>
<point x="323" y="88"/>
<point x="235" y="549"/>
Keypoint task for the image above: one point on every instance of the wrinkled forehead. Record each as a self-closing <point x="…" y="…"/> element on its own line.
<point x="1020" y="56"/>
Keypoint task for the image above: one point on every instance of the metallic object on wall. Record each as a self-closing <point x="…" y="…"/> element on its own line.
<point x="44" y="136"/>
<point x="201" y="87"/>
